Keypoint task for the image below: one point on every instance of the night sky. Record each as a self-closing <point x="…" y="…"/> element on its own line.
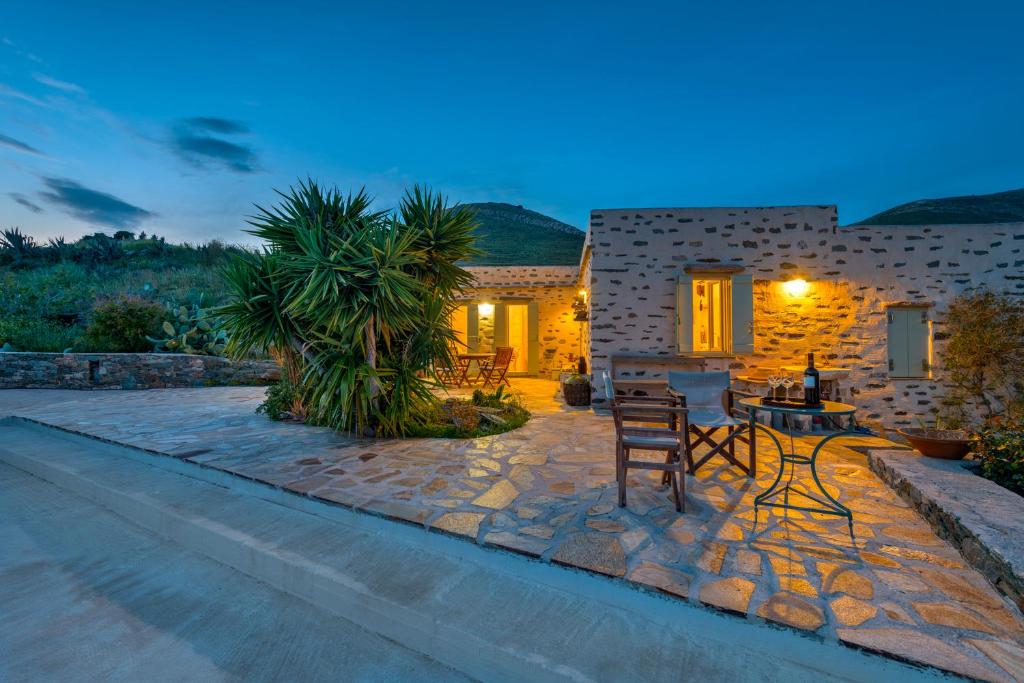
<point x="175" y="118"/>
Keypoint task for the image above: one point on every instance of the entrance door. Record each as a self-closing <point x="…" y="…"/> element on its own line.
<point x="460" y="325"/>
<point x="518" y="326"/>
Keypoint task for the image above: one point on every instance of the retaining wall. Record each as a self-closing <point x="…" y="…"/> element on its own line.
<point x="128" y="371"/>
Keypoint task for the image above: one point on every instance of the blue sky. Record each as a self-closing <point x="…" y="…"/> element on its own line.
<point x="177" y="117"/>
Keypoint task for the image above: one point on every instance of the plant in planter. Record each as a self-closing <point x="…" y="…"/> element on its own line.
<point x="939" y="441"/>
<point x="576" y="390"/>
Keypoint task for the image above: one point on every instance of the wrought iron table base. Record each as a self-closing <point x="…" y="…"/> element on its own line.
<point x="829" y="505"/>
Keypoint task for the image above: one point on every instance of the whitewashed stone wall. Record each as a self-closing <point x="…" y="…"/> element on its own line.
<point x="637" y="255"/>
<point x="552" y="287"/>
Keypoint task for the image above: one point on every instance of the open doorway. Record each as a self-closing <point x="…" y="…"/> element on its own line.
<point x="518" y="327"/>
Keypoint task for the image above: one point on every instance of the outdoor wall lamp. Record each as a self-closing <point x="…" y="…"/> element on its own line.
<point x="485" y="309"/>
<point x="796" y="286"/>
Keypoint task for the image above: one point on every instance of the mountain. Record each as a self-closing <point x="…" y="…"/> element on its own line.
<point x="510" y="235"/>
<point x="1000" y="207"/>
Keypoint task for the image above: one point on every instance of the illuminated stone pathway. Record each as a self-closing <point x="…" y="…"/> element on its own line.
<point x="547" y="490"/>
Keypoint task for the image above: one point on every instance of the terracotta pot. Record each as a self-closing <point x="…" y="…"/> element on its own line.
<point x="948" y="444"/>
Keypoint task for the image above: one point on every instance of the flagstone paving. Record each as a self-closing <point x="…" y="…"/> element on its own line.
<point x="547" y="490"/>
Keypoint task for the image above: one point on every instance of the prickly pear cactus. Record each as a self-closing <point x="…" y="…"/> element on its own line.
<point x="191" y="330"/>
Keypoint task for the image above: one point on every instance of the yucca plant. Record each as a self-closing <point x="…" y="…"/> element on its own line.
<point x="356" y="302"/>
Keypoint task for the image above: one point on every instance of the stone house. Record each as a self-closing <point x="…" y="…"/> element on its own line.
<point x="531" y="309"/>
<point x="754" y="290"/>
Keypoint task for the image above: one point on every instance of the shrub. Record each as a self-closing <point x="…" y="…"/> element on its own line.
<point x="983" y="357"/>
<point x="122" y="325"/>
<point x="283" y="401"/>
<point x="999" y="447"/>
<point x="37" y="334"/>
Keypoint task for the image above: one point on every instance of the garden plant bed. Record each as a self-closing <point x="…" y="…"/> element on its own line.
<point x="983" y="520"/>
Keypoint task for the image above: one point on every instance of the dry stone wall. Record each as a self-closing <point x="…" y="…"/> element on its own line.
<point x="128" y="371"/>
<point x="854" y="273"/>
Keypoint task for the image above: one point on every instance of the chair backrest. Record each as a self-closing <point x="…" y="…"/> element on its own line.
<point x="609" y="388"/>
<point x="503" y="357"/>
<point x="701" y="389"/>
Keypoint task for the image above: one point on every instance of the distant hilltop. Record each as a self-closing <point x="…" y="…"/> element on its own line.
<point x="1000" y="207"/>
<point x="510" y="235"/>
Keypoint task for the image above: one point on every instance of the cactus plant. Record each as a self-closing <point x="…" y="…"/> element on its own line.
<point x="192" y="331"/>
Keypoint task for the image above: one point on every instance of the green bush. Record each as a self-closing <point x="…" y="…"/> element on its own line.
<point x="999" y="448"/>
<point x="283" y="401"/>
<point x="37" y="334"/>
<point x="123" y="325"/>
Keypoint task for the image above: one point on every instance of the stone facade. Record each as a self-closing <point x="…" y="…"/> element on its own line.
<point x="553" y="288"/>
<point x="128" y="371"/>
<point x="637" y="255"/>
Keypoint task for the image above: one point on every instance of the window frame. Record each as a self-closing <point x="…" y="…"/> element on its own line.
<point x="737" y="311"/>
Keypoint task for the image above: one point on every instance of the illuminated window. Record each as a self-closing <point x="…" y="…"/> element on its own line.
<point x="710" y="315"/>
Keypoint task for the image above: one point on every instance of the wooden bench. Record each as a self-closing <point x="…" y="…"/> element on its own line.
<point x="644" y="386"/>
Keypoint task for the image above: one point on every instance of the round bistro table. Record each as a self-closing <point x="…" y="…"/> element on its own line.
<point x="827" y="504"/>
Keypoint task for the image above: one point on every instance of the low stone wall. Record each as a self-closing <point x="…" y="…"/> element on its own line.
<point x="982" y="519"/>
<point x="128" y="371"/>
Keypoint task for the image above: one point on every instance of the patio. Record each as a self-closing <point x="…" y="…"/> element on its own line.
<point x="547" y="490"/>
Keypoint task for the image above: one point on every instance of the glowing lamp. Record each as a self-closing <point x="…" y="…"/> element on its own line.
<point x="485" y="309"/>
<point x="795" y="287"/>
<point x="583" y="295"/>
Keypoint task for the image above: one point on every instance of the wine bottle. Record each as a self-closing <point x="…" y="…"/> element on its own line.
<point x="812" y="385"/>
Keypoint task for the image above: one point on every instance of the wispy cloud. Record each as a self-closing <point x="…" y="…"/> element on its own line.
<point x="26" y="202"/>
<point x="59" y="85"/>
<point x="213" y="124"/>
<point x="93" y="206"/>
<point x="18" y="145"/>
<point x="15" y="94"/>
<point x="193" y="141"/>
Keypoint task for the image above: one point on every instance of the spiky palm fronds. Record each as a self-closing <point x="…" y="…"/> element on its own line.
<point x="361" y="300"/>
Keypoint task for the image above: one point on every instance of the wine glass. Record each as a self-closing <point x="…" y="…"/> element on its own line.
<point x="774" y="381"/>
<point x="787" y="384"/>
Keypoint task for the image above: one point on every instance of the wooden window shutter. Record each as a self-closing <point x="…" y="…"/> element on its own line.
<point x="532" y="338"/>
<point x="500" y="325"/>
<point x="918" y="334"/>
<point x="742" y="313"/>
<point x="472" y="328"/>
<point x="898" y="342"/>
<point x="684" y="313"/>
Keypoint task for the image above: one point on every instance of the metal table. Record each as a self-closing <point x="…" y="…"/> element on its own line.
<point x="827" y="505"/>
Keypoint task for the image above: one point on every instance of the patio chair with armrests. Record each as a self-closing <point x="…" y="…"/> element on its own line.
<point x="649" y="424"/>
<point x="492" y="372"/>
<point x="453" y="372"/>
<point x="709" y="399"/>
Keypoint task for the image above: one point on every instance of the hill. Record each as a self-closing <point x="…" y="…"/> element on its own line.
<point x="1000" y="207"/>
<point x="510" y="235"/>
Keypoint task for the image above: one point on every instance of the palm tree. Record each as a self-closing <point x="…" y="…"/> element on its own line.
<point x="356" y="302"/>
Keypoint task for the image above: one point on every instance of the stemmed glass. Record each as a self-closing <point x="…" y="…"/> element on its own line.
<point x="787" y="384"/>
<point x="774" y="381"/>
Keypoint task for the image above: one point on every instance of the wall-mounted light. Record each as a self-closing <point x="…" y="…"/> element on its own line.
<point x="485" y="309"/>
<point x="583" y="295"/>
<point x="796" y="286"/>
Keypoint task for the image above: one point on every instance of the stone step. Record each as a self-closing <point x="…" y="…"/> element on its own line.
<point x="493" y="615"/>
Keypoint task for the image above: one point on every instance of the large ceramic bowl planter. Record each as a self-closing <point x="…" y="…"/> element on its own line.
<point x="947" y="444"/>
<point x="576" y="391"/>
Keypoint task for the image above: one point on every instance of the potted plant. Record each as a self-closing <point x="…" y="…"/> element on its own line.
<point x="938" y="441"/>
<point x="576" y="390"/>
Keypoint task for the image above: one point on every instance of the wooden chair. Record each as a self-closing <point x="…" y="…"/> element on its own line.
<point x="710" y="403"/>
<point x="493" y="372"/>
<point x="453" y="372"/>
<point x="634" y="432"/>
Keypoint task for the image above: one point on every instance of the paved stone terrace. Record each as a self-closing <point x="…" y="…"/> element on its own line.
<point x="547" y="490"/>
